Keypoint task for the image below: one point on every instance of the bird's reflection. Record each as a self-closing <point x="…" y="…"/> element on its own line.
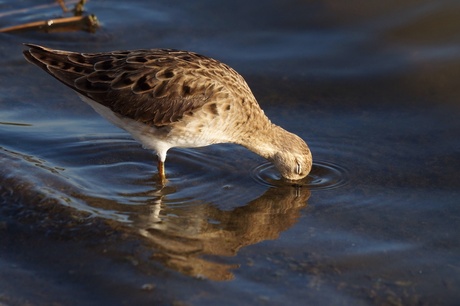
<point x="185" y="237"/>
<point x="186" y="234"/>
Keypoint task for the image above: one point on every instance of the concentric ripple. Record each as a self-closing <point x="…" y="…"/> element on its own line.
<point x="324" y="175"/>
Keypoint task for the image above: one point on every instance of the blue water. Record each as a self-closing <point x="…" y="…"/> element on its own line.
<point x="371" y="87"/>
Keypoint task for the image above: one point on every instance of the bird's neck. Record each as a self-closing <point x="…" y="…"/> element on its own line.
<point x="266" y="139"/>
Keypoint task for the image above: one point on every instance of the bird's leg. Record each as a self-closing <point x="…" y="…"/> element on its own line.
<point x="161" y="171"/>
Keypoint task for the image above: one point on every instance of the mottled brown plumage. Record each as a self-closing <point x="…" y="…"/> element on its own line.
<point x="168" y="98"/>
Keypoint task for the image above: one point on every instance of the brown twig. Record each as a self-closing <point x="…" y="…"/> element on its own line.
<point x="76" y="23"/>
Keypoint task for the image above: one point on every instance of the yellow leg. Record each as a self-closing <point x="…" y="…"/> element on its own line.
<point x="161" y="171"/>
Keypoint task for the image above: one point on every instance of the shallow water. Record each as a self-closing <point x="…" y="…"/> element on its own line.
<point x="371" y="88"/>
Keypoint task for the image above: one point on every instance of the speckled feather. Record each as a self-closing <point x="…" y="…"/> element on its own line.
<point x="155" y="87"/>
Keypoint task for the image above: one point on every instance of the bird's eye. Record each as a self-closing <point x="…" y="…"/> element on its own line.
<point x="298" y="168"/>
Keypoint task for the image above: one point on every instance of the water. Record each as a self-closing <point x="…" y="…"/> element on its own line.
<point x="373" y="90"/>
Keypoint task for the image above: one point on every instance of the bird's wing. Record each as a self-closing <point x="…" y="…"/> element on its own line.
<point x="157" y="87"/>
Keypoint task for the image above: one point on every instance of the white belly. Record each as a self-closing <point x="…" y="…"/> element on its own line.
<point x="160" y="139"/>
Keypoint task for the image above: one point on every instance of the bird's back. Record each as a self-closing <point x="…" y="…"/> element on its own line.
<point x="156" y="87"/>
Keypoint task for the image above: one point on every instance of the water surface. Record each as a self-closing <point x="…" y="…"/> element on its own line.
<point x="371" y="88"/>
